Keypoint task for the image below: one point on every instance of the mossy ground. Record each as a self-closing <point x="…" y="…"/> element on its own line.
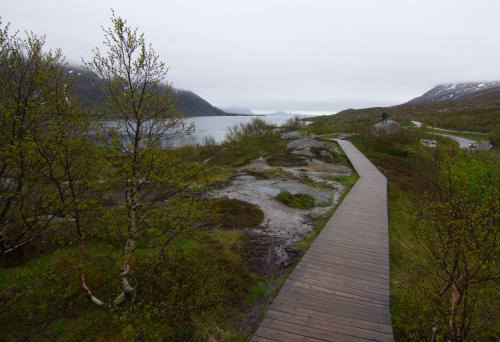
<point x="299" y="201"/>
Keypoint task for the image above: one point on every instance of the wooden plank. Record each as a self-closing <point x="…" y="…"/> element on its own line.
<point x="331" y="317"/>
<point x="339" y="291"/>
<point x="328" y="280"/>
<point x="346" y="266"/>
<point x="315" y="322"/>
<point x="348" y="251"/>
<point x="304" y="289"/>
<point x="261" y="339"/>
<point x="322" y="335"/>
<point x="344" y="275"/>
<point x="278" y="335"/>
<point x="343" y="289"/>
<point x="366" y="309"/>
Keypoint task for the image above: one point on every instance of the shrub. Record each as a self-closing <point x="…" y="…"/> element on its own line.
<point x="300" y="201"/>
<point x="294" y="123"/>
<point x="228" y="213"/>
<point x="256" y="127"/>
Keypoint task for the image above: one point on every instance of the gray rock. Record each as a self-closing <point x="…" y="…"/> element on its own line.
<point x="326" y="154"/>
<point x="390" y="126"/>
<point x="293" y="135"/>
<point x="303" y="143"/>
<point x="304" y="152"/>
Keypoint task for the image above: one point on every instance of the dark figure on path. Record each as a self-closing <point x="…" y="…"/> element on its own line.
<point x="384" y="117"/>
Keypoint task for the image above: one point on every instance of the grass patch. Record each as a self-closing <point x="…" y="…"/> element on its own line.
<point x="312" y="183"/>
<point x="345" y="180"/>
<point x="299" y="201"/>
<point x="226" y="213"/>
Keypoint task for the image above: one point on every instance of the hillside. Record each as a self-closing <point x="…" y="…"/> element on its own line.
<point x="187" y="102"/>
<point x="478" y="110"/>
<point x="191" y="104"/>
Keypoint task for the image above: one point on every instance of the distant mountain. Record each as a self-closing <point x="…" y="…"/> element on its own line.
<point x="85" y="87"/>
<point x="191" y="104"/>
<point x="454" y="91"/>
<point x="238" y="110"/>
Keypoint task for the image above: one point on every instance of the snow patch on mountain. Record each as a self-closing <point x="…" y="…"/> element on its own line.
<point x="453" y="91"/>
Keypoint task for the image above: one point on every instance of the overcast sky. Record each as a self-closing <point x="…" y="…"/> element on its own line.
<point x="285" y="54"/>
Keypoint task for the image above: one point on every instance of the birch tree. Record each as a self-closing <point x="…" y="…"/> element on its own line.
<point x="133" y="78"/>
<point x="459" y="228"/>
<point x="26" y="206"/>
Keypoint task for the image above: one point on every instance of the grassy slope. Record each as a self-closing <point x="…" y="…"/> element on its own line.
<point x="479" y="113"/>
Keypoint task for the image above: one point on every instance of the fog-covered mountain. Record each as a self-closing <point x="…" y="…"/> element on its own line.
<point x="280" y="112"/>
<point x="238" y="110"/>
<point x="187" y="102"/>
<point x="191" y="104"/>
<point x="454" y="91"/>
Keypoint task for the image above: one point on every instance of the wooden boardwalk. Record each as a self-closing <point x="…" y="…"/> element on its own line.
<point x="339" y="291"/>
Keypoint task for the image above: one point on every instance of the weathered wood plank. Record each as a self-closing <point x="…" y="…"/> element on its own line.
<point x="314" y="321"/>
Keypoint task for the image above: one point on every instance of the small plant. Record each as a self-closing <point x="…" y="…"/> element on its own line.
<point x="294" y="123"/>
<point x="233" y="214"/>
<point x="346" y="180"/>
<point x="312" y="183"/>
<point x="299" y="201"/>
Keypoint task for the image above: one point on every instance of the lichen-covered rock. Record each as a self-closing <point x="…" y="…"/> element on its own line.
<point x="326" y="154"/>
<point x="293" y="135"/>
<point x="389" y="126"/>
<point x="303" y="144"/>
<point x="304" y="152"/>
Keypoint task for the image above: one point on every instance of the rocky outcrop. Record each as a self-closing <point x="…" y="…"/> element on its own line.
<point x="386" y="127"/>
<point x="311" y="148"/>
<point x="291" y="135"/>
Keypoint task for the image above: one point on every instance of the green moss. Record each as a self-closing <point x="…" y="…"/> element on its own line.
<point x="345" y="180"/>
<point x="299" y="201"/>
<point x="228" y="213"/>
<point x="312" y="183"/>
<point x="257" y="291"/>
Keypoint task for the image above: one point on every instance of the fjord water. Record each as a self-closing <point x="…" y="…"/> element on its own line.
<point x="216" y="126"/>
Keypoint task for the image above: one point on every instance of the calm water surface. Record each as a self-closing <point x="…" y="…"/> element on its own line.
<point x="216" y="126"/>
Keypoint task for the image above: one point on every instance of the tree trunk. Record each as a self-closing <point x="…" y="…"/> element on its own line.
<point x="129" y="246"/>
<point x="81" y="257"/>
<point x="456" y="299"/>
